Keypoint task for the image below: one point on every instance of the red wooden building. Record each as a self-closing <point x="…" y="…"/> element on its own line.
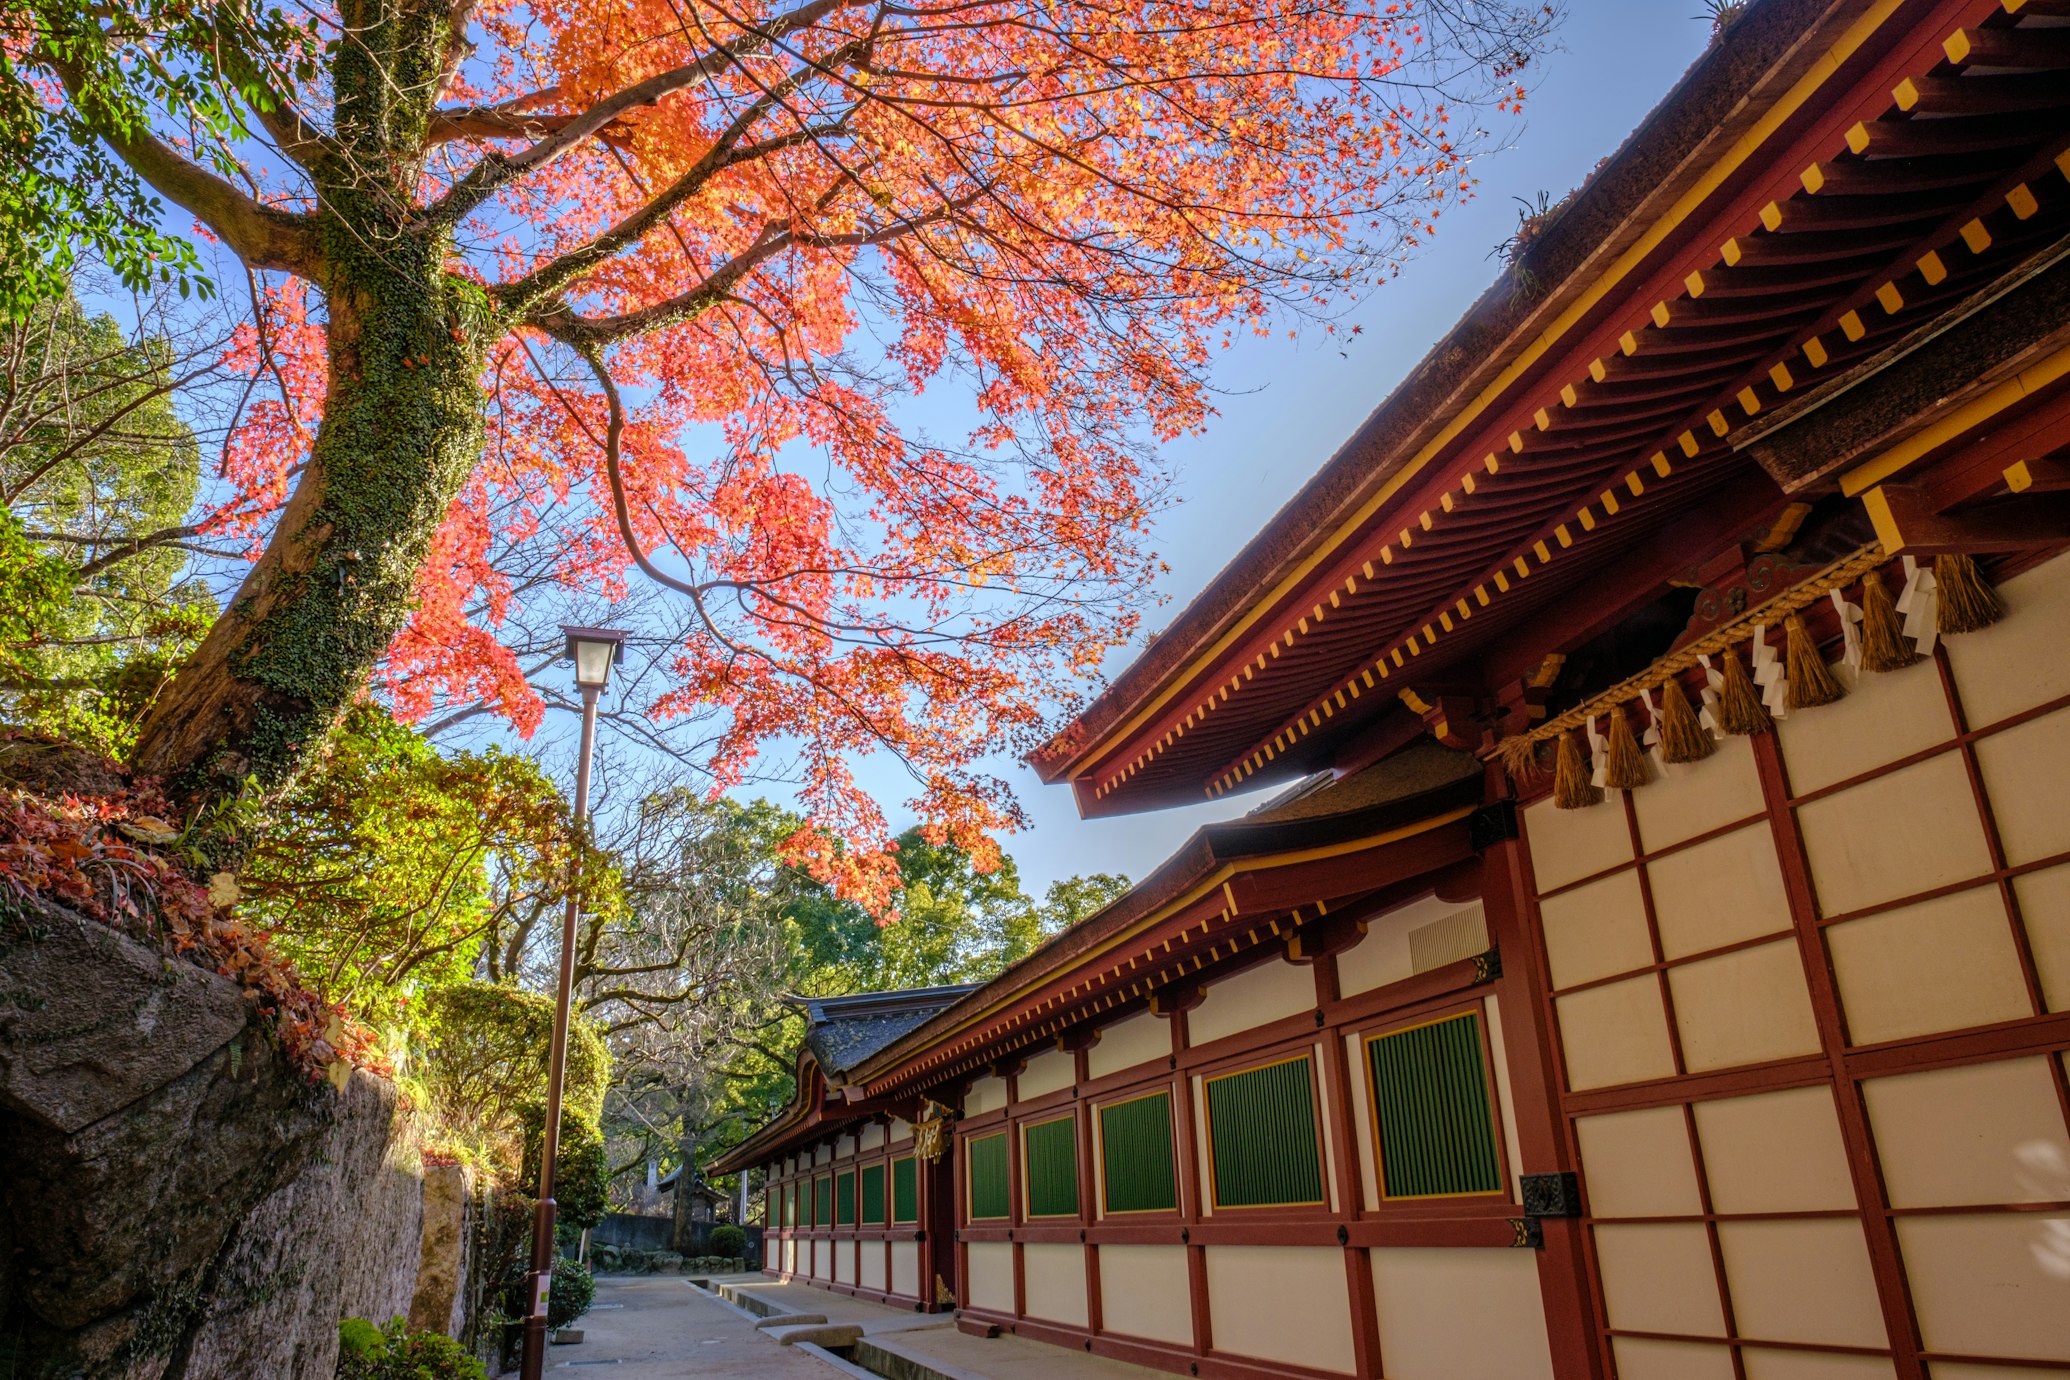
<point x="1658" y="964"/>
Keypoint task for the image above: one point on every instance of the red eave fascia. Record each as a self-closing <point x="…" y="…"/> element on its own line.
<point x="1305" y="551"/>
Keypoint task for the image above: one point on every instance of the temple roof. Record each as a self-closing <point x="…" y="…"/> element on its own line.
<point x="1828" y="191"/>
<point x="843" y="1031"/>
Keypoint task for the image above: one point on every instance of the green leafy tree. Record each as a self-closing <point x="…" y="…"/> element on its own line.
<point x="390" y="866"/>
<point x="98" y="604"/>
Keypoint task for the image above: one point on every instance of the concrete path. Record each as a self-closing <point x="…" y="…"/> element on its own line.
<point x="662" y="1329"/>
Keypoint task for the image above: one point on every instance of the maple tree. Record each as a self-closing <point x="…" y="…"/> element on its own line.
<point x="638" y="285"/>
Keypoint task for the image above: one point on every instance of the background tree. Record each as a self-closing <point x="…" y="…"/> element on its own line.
<point x="482" y="215"/>
<point x="98" y="600"/>
<point x="389" y="867"/>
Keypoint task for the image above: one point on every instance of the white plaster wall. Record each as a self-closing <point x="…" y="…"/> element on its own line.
<point x="1053" y="1283"/>
<point x="899" y="1132"/>
<point x="822" y="1260"/>
<point x="872" y="1136"/>
<point x="1138" y="1039"/>
<point x="1570" y="844"/>
<point x="1384" y="955"/>
<point x="1419" y="1293"/>
<point x="905" y="1269"/>
<point x="1281" y="1303"/>
<point x="1145" y="1291"/>
<point x="844" y="1262"/>
<point x="988" y="1266"/>
<point x="869" y="1265"/>
<point x="1505" y="1103"/>
<point x="986" y="1095"/>
<point x="1257" y="996"/>
<point x="1047" y="1073"/>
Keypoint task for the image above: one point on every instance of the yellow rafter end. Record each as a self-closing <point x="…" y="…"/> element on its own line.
<point x="1387" y="555"/>
<point x="1957" y="46"/>
<point x="2018" y="477"/>
<point x="1976" y="236"/>
<point x="1502" y="581"/>
<point x="1772" y="217"/>
<point x="1749" y="401"/>
<point x="1609" y="502"/>
<point x="1731" y="253"/>
<point x="1719" y="426"/>
<point x="1780" y="377"/>
<point x="1890" y="299"/>
<point x="1635" y="484"/>
<point x="1516" y="443"/>
<point x="1851" y="326"/>
<point x="1568" y="397"/>
<point x="1932" y="269"/>
<point x="1695" y="284"/>
<point x="1815" y="351"/>
<point x="1491" y="462"/>
<point x="1465" y="610"/>
<point x="1662" y="466"/>
<point x="1660" y="314"/>
<point x="1467" y="482"/>
<point x="2022" y="201"/>
<point x="1542" y="419"/>
<point x="1445" y="501"/>
<point x="1813" y="178"/>
<point x="1598" y="370"/>
<point x="1566" y="537"/>
<point x="1588" y="520"/>
<point x="1906" y="94"/>
<point x="1628" y="343"/>
<point x="1480" y="594"/>
<point x="1444" y="621"/>
<point x="1689" y="444"/>
<point x="1858" y="139"/>
<point x="1423" y="520"/>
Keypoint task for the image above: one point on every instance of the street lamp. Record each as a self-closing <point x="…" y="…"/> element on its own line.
<point x="594" y="651"/>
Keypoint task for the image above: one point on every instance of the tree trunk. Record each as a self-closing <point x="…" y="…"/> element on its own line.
<point x="685" y="1229"/>
<point x="402" y="428"/>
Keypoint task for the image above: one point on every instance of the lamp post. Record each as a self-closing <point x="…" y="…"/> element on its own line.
<point x="594" y="651"/>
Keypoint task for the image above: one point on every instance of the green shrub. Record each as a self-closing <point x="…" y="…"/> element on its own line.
<point x="574" y="1290"/>
<point x="366" y="1352"/>
<point x="581" y="1171"/>
<point x="728" y="1240"/>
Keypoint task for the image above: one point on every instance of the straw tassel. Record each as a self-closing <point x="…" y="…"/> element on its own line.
<point x="1884" y="644"/>
<point x="1682" y="738"/>
<point x="1626" y="767"/>
<point x="1520" y="758"/>
<point x="1967" y="600"/>
<point x="1811" y="680"/>
<point x="1740" y="710"/>
<point x="1572" y="788"/>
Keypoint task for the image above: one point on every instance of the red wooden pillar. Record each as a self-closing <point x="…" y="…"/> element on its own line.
<point x="1543" y="1147"/>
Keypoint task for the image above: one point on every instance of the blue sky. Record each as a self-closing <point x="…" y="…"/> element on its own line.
<point x="1291" y="403"/>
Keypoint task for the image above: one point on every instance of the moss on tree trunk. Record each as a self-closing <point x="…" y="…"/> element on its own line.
<point x="402" y="427"/>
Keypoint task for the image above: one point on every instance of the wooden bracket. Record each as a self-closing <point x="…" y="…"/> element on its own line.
<point x="1330" y="934"/>
<point x="1010" y="1066"/>
<point x="1906" y="522"/>
<point x="1084" y="1037"/>
<point x="1180" y="996"/>
<point x="2037" y="476"/>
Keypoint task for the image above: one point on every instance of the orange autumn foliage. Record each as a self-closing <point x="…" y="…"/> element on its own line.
<point x="774" y="227"/>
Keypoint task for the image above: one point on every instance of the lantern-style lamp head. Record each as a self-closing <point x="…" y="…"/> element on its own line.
<point x="594" y="651"/>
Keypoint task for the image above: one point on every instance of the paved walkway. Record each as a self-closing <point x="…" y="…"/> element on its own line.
<point x="656" y="1327"/>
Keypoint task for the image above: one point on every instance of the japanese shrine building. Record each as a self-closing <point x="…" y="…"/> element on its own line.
<point x="1657" y="961"/>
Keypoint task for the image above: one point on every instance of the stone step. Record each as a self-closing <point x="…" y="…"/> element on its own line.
<point x="832" y="1336"/>
<point x="787" y="1320"/>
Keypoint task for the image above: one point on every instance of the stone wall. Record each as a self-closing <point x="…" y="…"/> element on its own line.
<point x="176" y="1201"/>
